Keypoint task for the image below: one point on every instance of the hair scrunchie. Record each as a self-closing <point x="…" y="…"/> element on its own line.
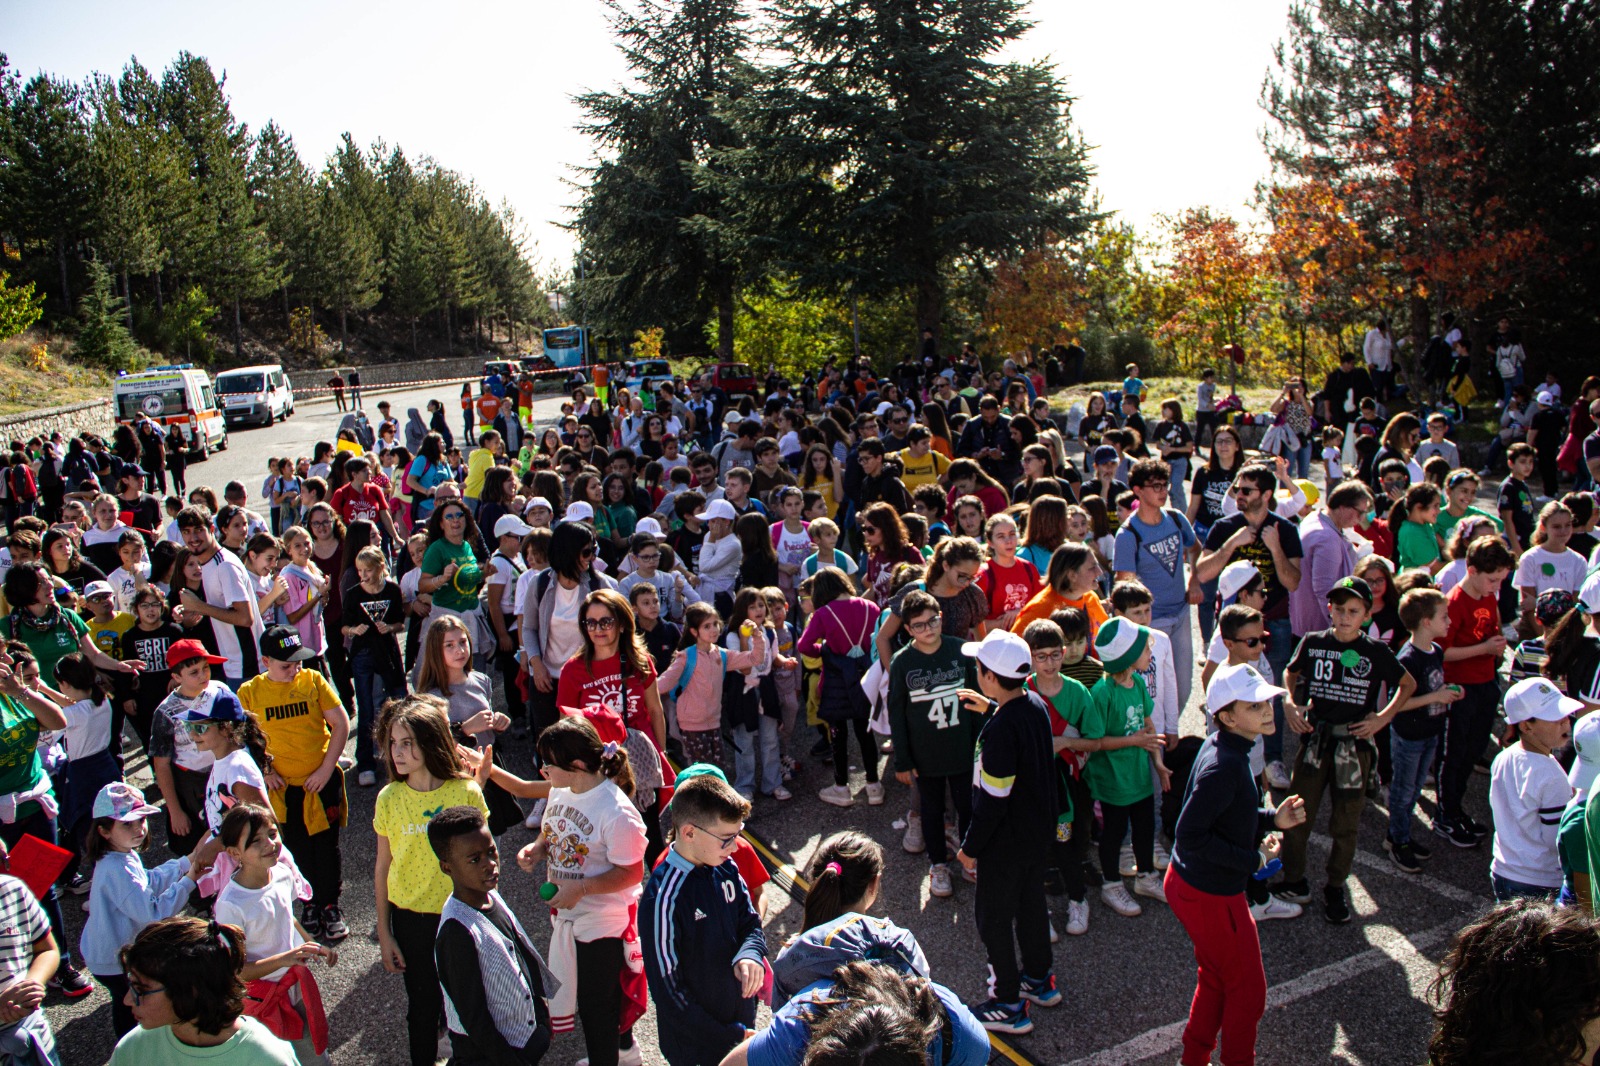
<point x="835" y="869"/>
<point x="610" y="749"/>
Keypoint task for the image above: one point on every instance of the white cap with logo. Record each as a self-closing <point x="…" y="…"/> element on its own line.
<point x="1538" y="697"/>
<point x="1232" y="684"/>
<point x="1004" y="653"/>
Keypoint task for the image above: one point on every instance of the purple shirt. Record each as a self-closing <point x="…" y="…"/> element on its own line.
<point x="1327" y="557"/>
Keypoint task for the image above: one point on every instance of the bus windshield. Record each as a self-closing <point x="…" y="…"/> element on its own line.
<point x="562" y="338"/>
<point x="232" y="383"/>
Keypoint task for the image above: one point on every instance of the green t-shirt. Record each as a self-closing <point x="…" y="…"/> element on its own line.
<point x="1572" y="842"/>
<point x="1446" y="523"/>
<point x="460" y="593"/>
<point x="252" y="1045"/>
<point x="20" y="768"/>
<point x="933" y="733"/>
<point x="1122" y="776"/>
<point x="1070" y="707"/>
<point x="1416" y="545"/>
<point x="52" y="645"/>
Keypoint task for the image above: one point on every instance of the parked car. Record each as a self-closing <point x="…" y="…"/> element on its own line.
<point x="734" y="379"/>
<point x="643" y="377"/>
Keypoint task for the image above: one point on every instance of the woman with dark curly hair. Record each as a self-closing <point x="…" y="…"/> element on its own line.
<point x="1520" y="985"/>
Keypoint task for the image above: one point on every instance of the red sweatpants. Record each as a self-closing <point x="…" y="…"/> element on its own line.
<point x="1230" y="993"/>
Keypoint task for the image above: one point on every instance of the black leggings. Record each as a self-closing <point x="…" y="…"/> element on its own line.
<point x="600" y="1000"/>
<point x="930" y="791"/>
<point x="317" y="854"/>
<point x="122" y="1019"/>
<point x="414" y="934"/>
<point x="840" y="734"/>
<point x="1071" y="855"/>
<point x="1114" y="823"/>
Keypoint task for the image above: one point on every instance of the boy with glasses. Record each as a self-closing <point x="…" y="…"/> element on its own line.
<point x="1151" y="547"/>
<point x="673" y="590"/>
<point x="934" y="734"/>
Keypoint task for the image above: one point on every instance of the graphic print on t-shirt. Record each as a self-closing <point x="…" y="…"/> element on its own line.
<point x="935" y="693"/>
<point x="1168" y="551"/>
<point x="566" y="832"/>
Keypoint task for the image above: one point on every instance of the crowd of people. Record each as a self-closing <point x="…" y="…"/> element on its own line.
<point x="685" y="600"/>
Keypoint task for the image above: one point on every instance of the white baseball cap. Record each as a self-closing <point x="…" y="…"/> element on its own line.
<point x="98" y="588"/>
<point x="536" y="503"/>
<point x="650" y="526"/>
<point x="1236" y="576"/>
<point x="1538" y="697"/>
<point x="1586" y="742"/>
<point x="581" y="511"/>
<point x="1002" y="652"/>
<point x="1589" y="594"/>
<point x="510" y="525"/>
<point x="718" y="509"/>
<point x="884" y="408"/>
<point x="1242" y="682"/>
<point x="1544" y="399"/>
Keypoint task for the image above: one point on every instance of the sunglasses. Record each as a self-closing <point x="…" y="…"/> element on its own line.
<point x="1249" y="642"/>
<point x="869" y="529"/>
<point x="454" y="516"/>
<point x="600" y="624"/>
<point x="197" y="728"/>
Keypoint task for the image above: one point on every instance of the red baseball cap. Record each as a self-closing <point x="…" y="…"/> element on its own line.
<point x="183" y="650"/>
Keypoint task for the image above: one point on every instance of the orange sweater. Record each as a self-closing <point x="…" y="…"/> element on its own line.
<point x="1047" y="601"/>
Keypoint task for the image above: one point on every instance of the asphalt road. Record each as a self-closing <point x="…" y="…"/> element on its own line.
<point x="1352" y="994"/>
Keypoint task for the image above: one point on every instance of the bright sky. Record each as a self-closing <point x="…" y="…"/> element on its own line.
<point x="1166" y="90"/>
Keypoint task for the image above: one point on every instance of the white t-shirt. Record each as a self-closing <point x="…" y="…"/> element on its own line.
<point x="88" y="729"/>
<point x="588" y="834"/>
<point x="519" y="601"/>
<point x="563" y="639"/>
<point x="173" y="709"/>
<point x="793" y="548"/>
<point x="225" y="582"/>
<point x="171" y="533"/>
<point x="1330" y="455"/>
<point x="408" y="585"/>
<point x="237" y="767"/>
<point x="1527" y="793"/>
<point x="789" y="444"/>
<point x="1540" y="569"/>
<point x="265" y="914"/>
<point x="125" y="584"/>
<point x="1452" y="574"/>
<point x="505" y="574"/>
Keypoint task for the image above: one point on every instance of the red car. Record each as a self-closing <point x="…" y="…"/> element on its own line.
<point x="734" y="379"/>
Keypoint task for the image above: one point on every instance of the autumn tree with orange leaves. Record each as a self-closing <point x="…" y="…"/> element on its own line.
<point x="1220" y="286"/>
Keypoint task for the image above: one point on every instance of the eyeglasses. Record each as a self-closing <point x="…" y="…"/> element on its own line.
<point x="139" y="994"/>
<point x="197" y="728"/>
<point x="649" y="557"/>
<point x="322" y="525"/>
<point x="1049" y="656"/>
<point x="963" y="579"/>
<point x="1159" y="486"/>
<point x="1249" y="642"/>
<point x="600" y="624"/>
<point x="723" y="842"/>
<point x="927" y="624"/>
<point x="586" y="434"/>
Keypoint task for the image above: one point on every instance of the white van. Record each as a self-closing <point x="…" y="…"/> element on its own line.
<point x="178" y="395"/>
<point x="258" y="395"/>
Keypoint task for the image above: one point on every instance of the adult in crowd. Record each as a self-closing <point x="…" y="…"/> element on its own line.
<point x="152" y="453"/>
<point x="1151" y="548"/>
<point x="1294" y="410"/>
<point x="453" y="569"/>
<point x="1377" y="349"/>
<point x="1256" y="535"/>
<point x="1206" y="498"/>
<point x="988" y="439"/>
<point x="1401" y="435"/>
<point x="228" y="598"/>
<point x="879" y="483"/>
<point x="426" y="473"/>
<point x="551" y="628"/>
<point x="1329" y="554"/>
<point x="1342" y="394"/>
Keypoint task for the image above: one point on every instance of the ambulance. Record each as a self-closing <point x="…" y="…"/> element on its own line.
<point x="178" y="395"/>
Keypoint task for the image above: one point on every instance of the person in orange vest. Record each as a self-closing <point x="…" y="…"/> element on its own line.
<point x="602" y="382"/>
<point x="488" y="408"/>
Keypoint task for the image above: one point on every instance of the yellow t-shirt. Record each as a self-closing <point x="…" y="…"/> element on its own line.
<point x="402" y="815"/>
<point x="478" y="464"/>
<point x="291" y="715"/>
<point x="922" y="471"/>
<point x="107" y="636"/>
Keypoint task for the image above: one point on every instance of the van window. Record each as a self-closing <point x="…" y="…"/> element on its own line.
<point x="232" y="383"/>
<point x="207" y="400"/>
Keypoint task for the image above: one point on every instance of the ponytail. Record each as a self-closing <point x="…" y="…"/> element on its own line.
<point x="1562" y="643"/>
<point x="574" y="740"/>
<point x="844" y="868"/>
<point x="614" y="764"/>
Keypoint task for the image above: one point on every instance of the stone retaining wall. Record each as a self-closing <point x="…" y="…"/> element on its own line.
<point x="389" y="373"/>
<point x="95" y="416"/>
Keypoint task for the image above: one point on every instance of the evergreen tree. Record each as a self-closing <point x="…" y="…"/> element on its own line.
<point x="285" y="201"/>
<point x="410" y="290"/>
<point x="46" y="177"/>
<point x="888" y="143"/>
<point x="348" y="269"/>
<point x="103" y="337"/>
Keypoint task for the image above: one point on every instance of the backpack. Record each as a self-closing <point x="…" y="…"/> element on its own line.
<point x="22" y="485"/>
<point x="688" y="669"/>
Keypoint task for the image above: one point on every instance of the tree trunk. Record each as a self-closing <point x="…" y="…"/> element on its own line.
<point x="160" y="304"/>
<point x="127" y="294"/>
<point x="238" y="331"/>
<point x="930" y="302"/>
<point x="61" y="259"/>
<point x="288" y="316"/>
<point x="449" y="334"/>
<point x="344" y="332"/>
<point x="725" y="318"/>
<point x="414" y="337"/>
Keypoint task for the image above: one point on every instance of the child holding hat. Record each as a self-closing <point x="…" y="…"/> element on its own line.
<point x="1225" y="835"/>
<point x="1528" y="791"/>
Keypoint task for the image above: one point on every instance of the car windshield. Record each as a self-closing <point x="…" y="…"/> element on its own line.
<point x="652" y="367"/>
<point x="231" y="383"/>
<point x="736" y="370"/>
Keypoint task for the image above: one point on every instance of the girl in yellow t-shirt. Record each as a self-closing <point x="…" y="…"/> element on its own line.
<point x="426" y="775"/>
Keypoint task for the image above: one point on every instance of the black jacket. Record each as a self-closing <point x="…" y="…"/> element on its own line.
<point x="1222" y="820"/>
<point x="1014" y="804"/>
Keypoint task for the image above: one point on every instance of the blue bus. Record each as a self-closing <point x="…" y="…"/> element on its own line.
<point x="569" y="346"/>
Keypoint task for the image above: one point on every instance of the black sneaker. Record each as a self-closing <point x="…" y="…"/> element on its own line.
<point x="1000" y="1017"/>
<point x="333" y="927"/>
<point x="311" y="921"/>
<point x="1293" y="891"/>
<point x="1421" y="851"/>
<point x="1459" y="835"/>
<point x="1476" y="828"/>
<point x="71" y="982"/>
<point x="1335" y="907"/>
<point x="78" y="886"/>
<point x="1404" y="857"/>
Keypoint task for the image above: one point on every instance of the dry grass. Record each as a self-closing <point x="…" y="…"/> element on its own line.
<point x="37" y="372"/>
<point x="1256" y="398"/>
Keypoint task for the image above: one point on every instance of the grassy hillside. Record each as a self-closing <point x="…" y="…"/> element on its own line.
<point x="37" y="371"/>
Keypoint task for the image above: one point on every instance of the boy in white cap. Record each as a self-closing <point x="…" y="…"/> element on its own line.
<point x="1225" y="836"/>
<point x="1012" y="830"/>
<point x="1336" y="677"/>
<point x="1528" y="791"/>
<point x="1572" y="841"/>
<point x="1119" y="773"/>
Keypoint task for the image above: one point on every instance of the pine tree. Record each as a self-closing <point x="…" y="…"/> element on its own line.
<point x="47" y="181"/>
<point x="103" y="337"/>
<point x="285" y="200"/>
<point x="348" y="269"/>
<point x="888" y="142"/>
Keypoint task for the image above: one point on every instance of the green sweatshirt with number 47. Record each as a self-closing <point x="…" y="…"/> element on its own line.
<point x="933" y="734"/>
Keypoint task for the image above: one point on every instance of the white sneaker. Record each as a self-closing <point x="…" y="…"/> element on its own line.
<point x="1055" y="937"/>
<point x="1126" y="866"/>
<point x="939" y="881"/>
<point x="1149" y="885"/>
<point x="782" y="795"/>
<point x="875" y="794"/>
<point x="1277" y="774"/>
<point x="346" y="763"/>
<point x="1162" y="858"/>
<point x="1274" y="908"/>
<point x="1116" y="897"/>
<point x="366" y="779"/>
<point x="632" y="1057"/>
<point x="535" y="817"/>
<point x="838" y="795"/>
<point x="912" y="842"/>
<point x="1077" y="917"/>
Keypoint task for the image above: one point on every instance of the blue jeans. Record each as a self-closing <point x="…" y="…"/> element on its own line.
<point x="1208" y="612"/>
<point x="1180" y="629"/>
<point x="372" y="689"/>
<point x="1506" y="890"/>
<point x="1300" y="460"/>
<point x="1280" y="648"/>
<point x="1410" y="761"/>
<point x="745" y="755"/>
